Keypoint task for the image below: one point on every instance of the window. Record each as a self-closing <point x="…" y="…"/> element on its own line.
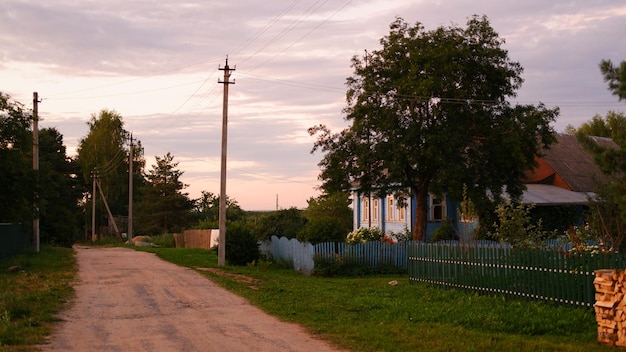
<point x="437" y="208"/>
<point x="390" y="208"/>
<point x="402" y="209"/>
<point x="366" y="209"/>
<point x="375" y="209"/>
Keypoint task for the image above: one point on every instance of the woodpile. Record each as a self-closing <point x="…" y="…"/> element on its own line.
<point x="610" y="306"/>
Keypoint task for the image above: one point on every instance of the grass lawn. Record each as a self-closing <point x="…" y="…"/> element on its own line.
<point x="31" y="295"/>
<point x="358" y="314"/>
<point x="369" y="314"/>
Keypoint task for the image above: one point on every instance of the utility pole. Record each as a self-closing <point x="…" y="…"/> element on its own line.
<point x="94" y="176"/>
<point x="36" y="167"/>
<point x="221" y="258"/>
<point x="131" y="157"/>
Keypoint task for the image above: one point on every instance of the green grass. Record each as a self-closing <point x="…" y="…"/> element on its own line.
<point x="368" y="314"/>
<point x="31" y="297"/>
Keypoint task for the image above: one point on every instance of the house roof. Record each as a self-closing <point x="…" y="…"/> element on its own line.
<point x="567" y="164"/>
<point x="552" y="195"/>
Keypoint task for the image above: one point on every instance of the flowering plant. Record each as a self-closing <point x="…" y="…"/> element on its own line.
<point x="365" y="234"/>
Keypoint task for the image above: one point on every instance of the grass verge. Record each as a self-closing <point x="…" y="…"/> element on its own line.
<point x="31" y="295"/>
<point x="369" y="314"/>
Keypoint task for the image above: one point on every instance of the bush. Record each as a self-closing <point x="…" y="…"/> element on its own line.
<point x="241" y="246"/>
<point x="345" y="266"/>
<point x="322" y="230"/>
<point x="365" y="234"/>
<point x="445" y="232"/>
<point x="164" y="240"/>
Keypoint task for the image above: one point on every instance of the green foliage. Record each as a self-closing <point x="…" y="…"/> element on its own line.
<point x="615" y="76"/>
<point x="430" y="112"/>
<point x="164" y="240"/>
<point x="17" y="178"/>
<point x="606" y="218"/>
<point x="516" y="227"/>
<point x="241" y="245"/>
<point x="345" y="267"/>
<point x="556" y="218"/>
<point x="329" y="219"/>
<point x="444" y="232"/>
<point x="280" y="223"/>
<point x="103" y="151"/>
<point x="365" y="234"/>
<point x="164" y="207"/>
<point x="59" y="209"/>
<point x="207" y="210"/>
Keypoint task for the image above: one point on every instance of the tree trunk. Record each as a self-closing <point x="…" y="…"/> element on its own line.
<point x="421" y="210"/>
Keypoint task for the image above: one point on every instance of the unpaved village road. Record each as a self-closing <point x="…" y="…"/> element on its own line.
<point x="133" y="301"/>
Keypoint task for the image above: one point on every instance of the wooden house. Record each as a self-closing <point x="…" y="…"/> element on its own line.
<point x="565" y="175"/>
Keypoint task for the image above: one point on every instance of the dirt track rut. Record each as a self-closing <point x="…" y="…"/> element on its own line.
<point x="133" y="301"/>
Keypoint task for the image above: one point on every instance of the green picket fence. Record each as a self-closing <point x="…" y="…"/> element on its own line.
<point x="373" y="253"/>
<point x="549" y="275"/>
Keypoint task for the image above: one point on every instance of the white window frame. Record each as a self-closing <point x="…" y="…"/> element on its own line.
<point x="402" y="210"/>
<point x="366" y="208"/>
<point x="390" y="208"/>
<point x="375" y="209"/>
<point x="437" y="206"/>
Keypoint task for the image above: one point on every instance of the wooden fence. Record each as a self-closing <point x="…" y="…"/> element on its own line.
<point x="370" y="253"/>
<point x="300" y="255"/>
<point x="197" y="239"/>
<point x="550" y="275"/>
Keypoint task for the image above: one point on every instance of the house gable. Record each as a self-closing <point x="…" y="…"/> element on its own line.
<point x="568" y="165"/>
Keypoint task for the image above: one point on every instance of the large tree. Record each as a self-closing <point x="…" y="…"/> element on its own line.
<point x="104" y="153"/>
<point x="429" y="112"/>
<point x="164" y="207"/>
<point x="59" y="198"/>
<point x="207" y="210"/>
<point x="606" y="219"/>
<point x="17" y="178"/>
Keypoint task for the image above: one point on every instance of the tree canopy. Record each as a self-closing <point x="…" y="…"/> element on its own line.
<point x="612" y="126"/>
<point x="329" y="219"/>
<point x="58" y="206"/>
<point x="615" y="76"/>
<point x="429" y="112"/>
<point x="207" y="210"/>
<point x="606" y="218"/>
<point x="104" y="152"/>
<point x="164" y="207"/>
<point x="17" y="178"/>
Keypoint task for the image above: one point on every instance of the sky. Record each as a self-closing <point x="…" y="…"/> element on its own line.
<point x="157" y="63"/>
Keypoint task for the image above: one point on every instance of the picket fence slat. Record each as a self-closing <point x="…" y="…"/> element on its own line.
<point x="300" y="255"/>
<point x="550" y="275"/>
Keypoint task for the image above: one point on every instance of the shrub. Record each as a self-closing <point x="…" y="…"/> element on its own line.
<point x="515" y="227"/>
<point x="241" y="246"/>
<point x="326" y="266"/>
<point x="164" y="240"/>
<point x="322" y="230"/>
<point x="445" y="232"/>
<point x="365" y="234"/>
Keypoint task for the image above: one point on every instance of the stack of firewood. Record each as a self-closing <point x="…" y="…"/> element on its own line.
<point x="610" y="306"/>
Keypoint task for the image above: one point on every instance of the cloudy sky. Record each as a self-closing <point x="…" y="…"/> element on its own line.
<point x="157" y="64"/>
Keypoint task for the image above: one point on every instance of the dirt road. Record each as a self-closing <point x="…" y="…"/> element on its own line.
<point x="133" y="301"/>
